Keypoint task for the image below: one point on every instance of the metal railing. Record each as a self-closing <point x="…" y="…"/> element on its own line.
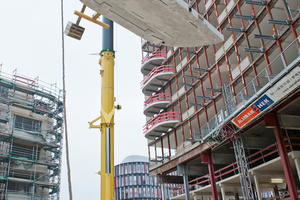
<point x="261" y="156"/>
<point x="33" y="83"/>
<point x="155" y="71"/>
<point x="155" y="54"/>
<point x="294" y="14"/>
<point x="157" y="98"/>
<point x="278" y="67"/>
<point x="161" y="117"/>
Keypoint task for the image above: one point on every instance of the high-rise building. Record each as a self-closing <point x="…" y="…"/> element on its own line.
<point x="31" y="130"/>
<point x="225" y="116"/>
<point x="132" y="180"/>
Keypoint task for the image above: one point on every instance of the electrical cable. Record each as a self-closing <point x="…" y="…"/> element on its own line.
<point x="64" y="102"/>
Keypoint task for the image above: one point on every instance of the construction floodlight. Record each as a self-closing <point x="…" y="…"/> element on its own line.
<point x="73" y="30"/>
<point x="162" y="22"/>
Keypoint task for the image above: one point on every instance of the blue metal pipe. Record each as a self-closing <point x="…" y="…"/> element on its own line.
<point x="108" y="34"/>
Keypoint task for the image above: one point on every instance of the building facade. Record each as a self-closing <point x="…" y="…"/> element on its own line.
<point x="132" y="180"/>
<point x="224" y="116"/>
<point x="31" y="127"/>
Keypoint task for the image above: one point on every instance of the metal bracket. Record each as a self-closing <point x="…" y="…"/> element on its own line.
<point x="92" y="123"/>
<point x="91" y="19"/>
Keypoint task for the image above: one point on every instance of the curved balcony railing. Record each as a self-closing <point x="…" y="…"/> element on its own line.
<point x="160" y="124"/>
<point x="162" y="73"/>
<point x="154" y="103"/>
<point x="151" y="60"/>
<point x="155" y="54"/>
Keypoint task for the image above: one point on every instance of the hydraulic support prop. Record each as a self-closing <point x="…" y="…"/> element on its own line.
<point x="106" y="127"/>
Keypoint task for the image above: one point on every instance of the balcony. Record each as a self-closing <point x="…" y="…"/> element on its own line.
<point x="156" y="79"/>
<point x="160" y="124"/>
<point x="155" y="103"/>
<point x="168" y="22"/>
<point x="151" y="60"/>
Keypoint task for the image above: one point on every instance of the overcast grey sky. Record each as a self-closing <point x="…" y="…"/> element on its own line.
<point x="30" y="41"/>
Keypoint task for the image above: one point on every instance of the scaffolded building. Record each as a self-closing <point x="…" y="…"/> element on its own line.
<point x="226" y="116"/>
<point x="30" y="138"/>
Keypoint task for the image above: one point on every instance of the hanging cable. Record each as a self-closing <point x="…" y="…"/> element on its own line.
<point x="116" y="65"/>
<point x="64" y="102"/>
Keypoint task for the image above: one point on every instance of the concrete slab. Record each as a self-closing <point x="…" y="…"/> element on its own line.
<point x="164" y="22"/>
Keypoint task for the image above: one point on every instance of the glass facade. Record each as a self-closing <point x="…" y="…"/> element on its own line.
<point x="132" y="181"/>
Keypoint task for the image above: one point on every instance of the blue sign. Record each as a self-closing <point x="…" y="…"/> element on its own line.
<point x="262" y="103"/>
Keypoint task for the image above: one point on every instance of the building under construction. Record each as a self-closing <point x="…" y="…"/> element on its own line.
<point x="30" y="138"/>
<point x="226" y="116"/>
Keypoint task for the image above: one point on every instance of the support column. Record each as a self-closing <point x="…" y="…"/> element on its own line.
<point x="236" y="196"/>
<point x="223" y="192"/>
<point x="271" y="121"/>
<point x="163" y="191"/>
<point x="195" y="196"/>
<point x="207" y="158"/>
<point x="296" y="157"/>
<point x="276" y="192"/>
<point x="182" y="169"/>
<point x="257" y="187"/>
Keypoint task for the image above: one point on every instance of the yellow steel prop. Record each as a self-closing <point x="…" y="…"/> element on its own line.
<point x="107" y="124"/>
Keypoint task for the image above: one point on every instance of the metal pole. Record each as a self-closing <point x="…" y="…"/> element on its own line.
<point x="108" y="34"/>
<point x="107" y="56"/>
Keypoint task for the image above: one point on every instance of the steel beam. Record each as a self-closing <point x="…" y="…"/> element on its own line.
<point x="207" y="158"/>
<point x="271" y="120"/>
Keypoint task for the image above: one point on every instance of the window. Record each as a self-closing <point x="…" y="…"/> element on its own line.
<point x="135" y="192"/>
<point x="130" y="190"/>
<point x="134" y="179"/>
<point x="122" y="193"/>
<point x="27" y="124"/>
<point x="19" y="187"/>
<point x="139" y="169"/>
<point x="148" y="192"/>
<point x="143" y="167"/>
<point x="130" y="180"/>
<point x="25" y="152"/>
<point x="129" y="168"/>
<point x="126" y="193"/>
<point x="126" y="180"/>
<point x="134" y="167"/>
<point x="139" y="179"/>
<point x="125" y="168"/>
<point x="144" y="190"/>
